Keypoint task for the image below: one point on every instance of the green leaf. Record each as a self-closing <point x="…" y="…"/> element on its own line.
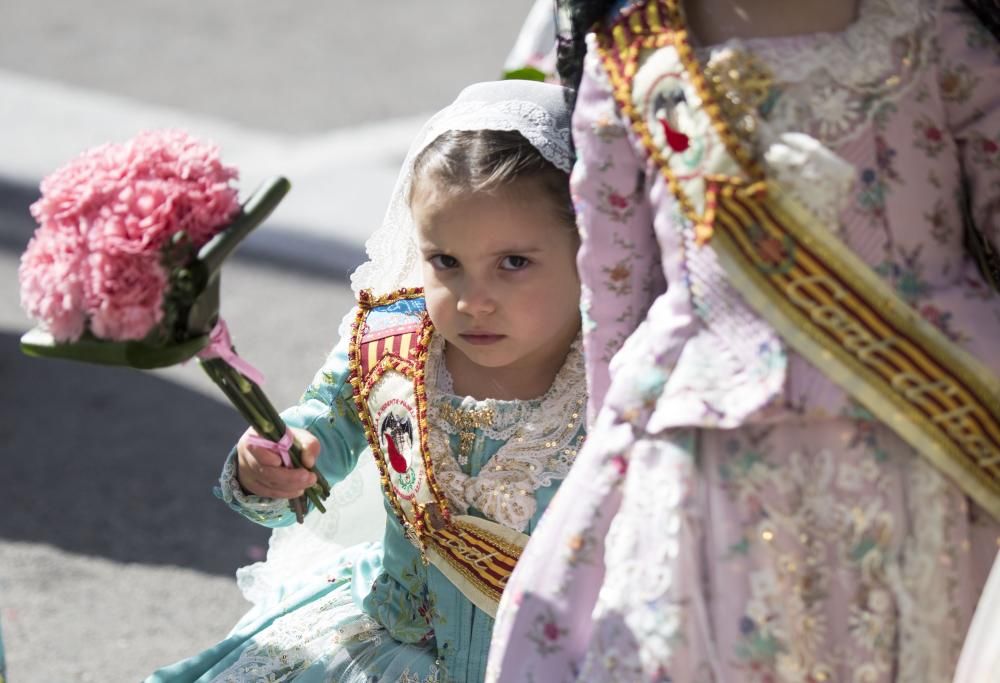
<point x="741" y="548"/>
<point x="89" y="349"/>
<point x="257" y="208"/>
<point x="862" y="548"/>
<point x="527" y="73"/>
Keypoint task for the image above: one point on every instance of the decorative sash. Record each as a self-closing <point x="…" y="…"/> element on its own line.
<point x="819" y="296"/>
<point x="388" y="357"/>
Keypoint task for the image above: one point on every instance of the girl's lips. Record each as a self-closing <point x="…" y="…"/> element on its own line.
<point x="481" y="337"/>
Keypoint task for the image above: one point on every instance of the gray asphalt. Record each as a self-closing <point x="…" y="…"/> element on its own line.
<point x="114" y="556"/>
<point x="300" y="66"/>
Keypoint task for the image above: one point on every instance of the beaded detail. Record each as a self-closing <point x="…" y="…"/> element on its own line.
<point x="541" y="439"/>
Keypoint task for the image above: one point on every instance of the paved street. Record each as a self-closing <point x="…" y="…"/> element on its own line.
<point x="114" y="556"/>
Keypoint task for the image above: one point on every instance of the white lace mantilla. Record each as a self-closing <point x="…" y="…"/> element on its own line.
<point x="832" y="84"/>
<point x="532" y="121"/>
<point x="541" y="438"/>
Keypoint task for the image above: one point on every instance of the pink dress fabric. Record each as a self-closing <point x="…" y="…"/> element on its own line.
<point x="734" y="516"/>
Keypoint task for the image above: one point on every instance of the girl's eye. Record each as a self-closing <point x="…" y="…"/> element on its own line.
<point x="514" y="262"/>
<point x="443" y="262"/>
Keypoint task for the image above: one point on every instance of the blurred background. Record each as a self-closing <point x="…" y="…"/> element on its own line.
<point x="115" y="558"/>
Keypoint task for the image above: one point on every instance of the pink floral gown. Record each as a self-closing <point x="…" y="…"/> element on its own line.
<point x="756" y="525"/>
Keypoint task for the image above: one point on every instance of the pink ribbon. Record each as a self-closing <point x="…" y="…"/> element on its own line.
<point x="281" y="447"/>
<point x="222" y="347"/>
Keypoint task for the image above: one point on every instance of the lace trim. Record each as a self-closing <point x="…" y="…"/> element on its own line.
<point x="529" y="119"/>
<point x="256" y="507"/>
<point x="833" y="83"/>
<point x="541" y="438"/>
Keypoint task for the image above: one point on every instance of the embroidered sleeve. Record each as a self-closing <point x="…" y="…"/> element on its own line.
<point x="327" y="410"/>
<point x="968" y="74"/>
<point x="618" y="258"/>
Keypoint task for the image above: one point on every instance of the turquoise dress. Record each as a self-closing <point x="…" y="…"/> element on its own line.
<point x="378" y="613"/>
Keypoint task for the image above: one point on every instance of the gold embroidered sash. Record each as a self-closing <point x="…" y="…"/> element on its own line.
<point x="388" y="358"/>
<point x="818" y="295"/>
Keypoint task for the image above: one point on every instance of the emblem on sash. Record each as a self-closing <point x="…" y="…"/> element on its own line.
<point x="388" y="357"/>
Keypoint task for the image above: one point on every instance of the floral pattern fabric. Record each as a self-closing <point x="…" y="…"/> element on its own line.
<point x="734" y="516"/>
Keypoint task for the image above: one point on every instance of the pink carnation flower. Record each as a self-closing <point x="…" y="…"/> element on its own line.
<point x="104" y="219"/>
<point x="52" y="271"/>
<point x="124" y="294"/>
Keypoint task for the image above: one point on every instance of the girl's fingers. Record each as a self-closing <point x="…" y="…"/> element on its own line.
<point x="261" y="471"/>
<point x="277" y="482"/>
<point x="262" y="456"/>
<point x="309" y="445"/>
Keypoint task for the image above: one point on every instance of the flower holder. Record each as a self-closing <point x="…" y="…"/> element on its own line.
<point x="192" y="331"/>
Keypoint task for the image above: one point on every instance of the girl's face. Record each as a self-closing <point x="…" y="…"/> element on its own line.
<point x="500" y="279"/>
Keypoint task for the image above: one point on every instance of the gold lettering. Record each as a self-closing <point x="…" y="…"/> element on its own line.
<point x="853" y="335"/>
<point x="829" y="317"/>
<point x="990" y="456"/>
<point x="468" y="553"/>
<point x="957" y="424"/>
<point x="792" y="289"/>
<point x="865" y="352"/>
<point x="864" y="345"/>
<point x="914" y="386"/>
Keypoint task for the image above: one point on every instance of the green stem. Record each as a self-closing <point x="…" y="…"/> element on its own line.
<point x="253" y="404"/>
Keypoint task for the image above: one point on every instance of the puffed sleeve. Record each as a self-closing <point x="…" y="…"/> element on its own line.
<point x="618" y="260"/>
<point x="326" y="410"/>
<point x="969" y="86"/>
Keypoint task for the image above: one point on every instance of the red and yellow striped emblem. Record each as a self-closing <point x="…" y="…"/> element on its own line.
<point x="401" y="345"/>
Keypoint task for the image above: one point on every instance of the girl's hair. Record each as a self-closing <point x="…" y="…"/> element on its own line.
<point x="583" y="15"/>
<point x="488" y="161"/>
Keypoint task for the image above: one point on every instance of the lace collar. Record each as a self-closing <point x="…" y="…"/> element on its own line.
<point x="833" y="84"/>
<point x="541" y="438"/>
<point x="858" y="55"/>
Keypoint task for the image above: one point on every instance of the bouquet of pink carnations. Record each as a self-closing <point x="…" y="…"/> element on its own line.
<point x="124" y="268"/>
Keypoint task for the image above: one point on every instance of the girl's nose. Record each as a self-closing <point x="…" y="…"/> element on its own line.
<point x="476" y="300"/>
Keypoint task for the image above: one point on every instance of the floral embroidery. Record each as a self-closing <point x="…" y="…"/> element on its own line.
<point x="835" y="111"/>
<point x="546" y="633"/>
<point x="984" y="151"/>
<point x="871" y="193"/>
<point x="929" y="137"/>
<point x="941" y="320"/>
<point x="616" y="205"/>
<point x="784" y="628"/>
<point x="619" y="278"/>
<point x="884" y="156"/>
<point x="941" y="221"/>
<point x="408" y="676"/>
<point x="905" y="276"/>
<point x="956" y="82"/>
<point x="608" y="128"/>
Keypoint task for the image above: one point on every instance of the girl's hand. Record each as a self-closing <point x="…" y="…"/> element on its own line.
<point x="260" y="472"/>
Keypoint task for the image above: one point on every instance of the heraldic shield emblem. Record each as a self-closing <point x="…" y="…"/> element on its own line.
<point x="388" y="357"/>
<point x="388" y="354"/>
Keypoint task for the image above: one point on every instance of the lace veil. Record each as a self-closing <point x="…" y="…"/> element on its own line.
<point x="355" y="511"/>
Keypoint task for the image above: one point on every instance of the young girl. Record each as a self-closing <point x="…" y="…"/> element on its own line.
<point x="793" y="473"/>
<point x="468" y="392"/>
